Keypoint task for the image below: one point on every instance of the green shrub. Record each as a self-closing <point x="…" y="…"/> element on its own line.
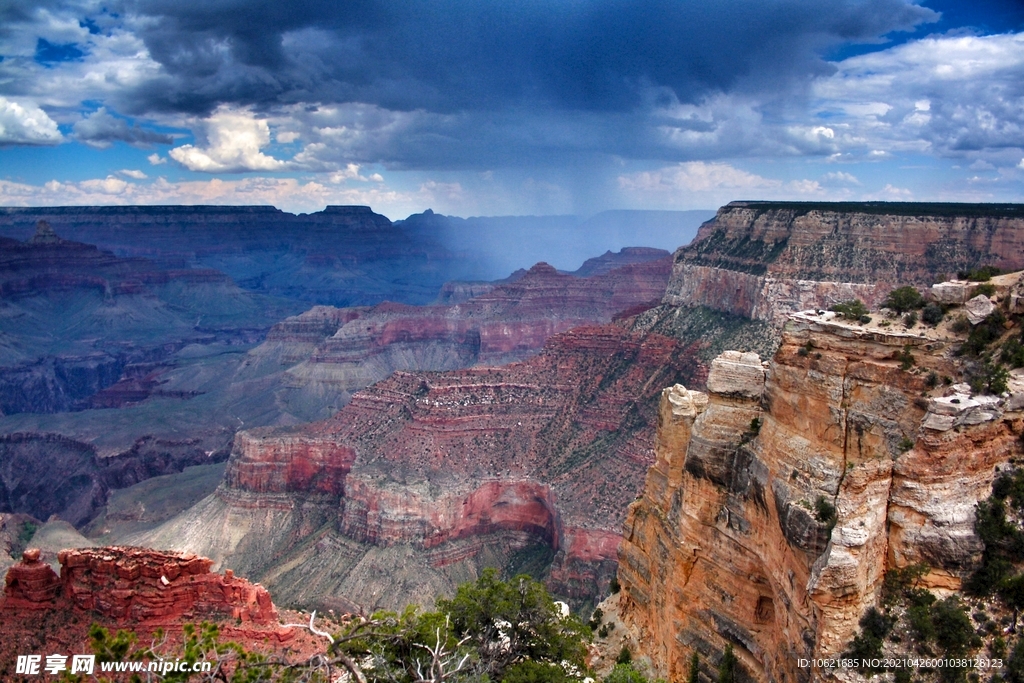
<point x="852" y="309"/>
<point x="933" y="314"/>
<point x="987" y="289"/>
<point x="529" y="671"/>
<point x="825" y="512"/>
<point x="982" y="274"/>
<point x="727" y="667"/>
<point x="625" y="673"/>
<point x="694" y="674"/>
<point x="910" y="319"/>
<point x="906" y="358"/>
<point x="983" y="334"/>
<point x="625" y="656"/>
<point x="904" y="299"/>
<point x="1013" y="353"/>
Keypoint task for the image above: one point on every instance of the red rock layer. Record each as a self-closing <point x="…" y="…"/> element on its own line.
<point x="135" y="585"/>
<point x="506" y="322"/>
<point x="553" y="447"/>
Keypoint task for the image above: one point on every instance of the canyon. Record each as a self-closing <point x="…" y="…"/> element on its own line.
<point x="434" y="475"/>
<point x="427" y="460"/>
<point x="398" y="476"/>
<point x="330" y="353"/>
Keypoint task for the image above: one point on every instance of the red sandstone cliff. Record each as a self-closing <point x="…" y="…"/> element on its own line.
<point x="727" y="544"/>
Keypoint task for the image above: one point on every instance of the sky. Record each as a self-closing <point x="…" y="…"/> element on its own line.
<point x="509" y="107"/>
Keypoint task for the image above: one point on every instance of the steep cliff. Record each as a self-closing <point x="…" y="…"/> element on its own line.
<point x="426" y="477"/>
<point x="764" y="260"/>
<point x="780" y="497"/>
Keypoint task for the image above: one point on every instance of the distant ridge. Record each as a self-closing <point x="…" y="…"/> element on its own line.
<point x="964" y="209"/>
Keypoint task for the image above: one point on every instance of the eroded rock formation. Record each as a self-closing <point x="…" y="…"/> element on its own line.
<point x="433" y="475"/>
<point x="335" y="352"/>
<point x="779" y="497"/>
<point x="765" y="260"/>
<point x="135" y="585"/>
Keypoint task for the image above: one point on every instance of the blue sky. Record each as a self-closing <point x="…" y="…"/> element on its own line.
<point x="509" y="107"/>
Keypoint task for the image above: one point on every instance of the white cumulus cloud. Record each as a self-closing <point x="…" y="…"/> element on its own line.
<point x="26" y="124"/>
<point x="233" y="139"/>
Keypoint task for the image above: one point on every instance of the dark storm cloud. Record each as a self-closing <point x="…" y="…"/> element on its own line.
<point x="462" y="55"/>
<point x="102" y="129"/>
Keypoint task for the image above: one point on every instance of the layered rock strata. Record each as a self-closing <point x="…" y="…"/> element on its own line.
<point x="135" y="585"/>
<point x="434" y="475"/>
<point x="780" y="496"/>
<point x="335" y="352"/>
<point x="765" y="260"/>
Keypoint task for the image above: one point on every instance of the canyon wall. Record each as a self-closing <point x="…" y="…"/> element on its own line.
<point x="424" y="478"/>
<point x="780" y="496"/>
<point x="765" y="260"/>
<point x="331" y="353"/>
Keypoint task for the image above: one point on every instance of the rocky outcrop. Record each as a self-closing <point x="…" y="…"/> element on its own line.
<point x="435" y="475"/>
<point x="775" y="505"/>
<point x="765" y="260"/>
<point x="135" y="585"/>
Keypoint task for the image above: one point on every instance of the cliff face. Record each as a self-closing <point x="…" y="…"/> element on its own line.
<point x="764" y="260"/>
<point x="434" y="475"/>
<point x="335" y="352"/>
<point x="775" y="535"/>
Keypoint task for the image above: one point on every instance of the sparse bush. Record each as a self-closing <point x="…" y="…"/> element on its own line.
<point x="906" y="443"/>
<point x="986" y="289"/>
<point x="982" y="274"/>
<point x="983" y="334"/>
<point x="867" y="645"/>
<point x="906" y="358"/>
<point x="625" y="656"/>
<point x="625" y="673"/>
<point x="851" y="310"/>
<point x="932" y="380"/>
<point x="825" y="512"/>
<point x="904" y="299"/>
<point x="910" y="319"/>
<point x="1013" y="353"/>
<point x="961" y="325"/>
<point x="991" y="379"/>
<point x="932" y="314"/>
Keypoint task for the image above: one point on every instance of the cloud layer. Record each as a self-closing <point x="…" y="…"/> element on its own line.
<point x="570" y="102"/>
